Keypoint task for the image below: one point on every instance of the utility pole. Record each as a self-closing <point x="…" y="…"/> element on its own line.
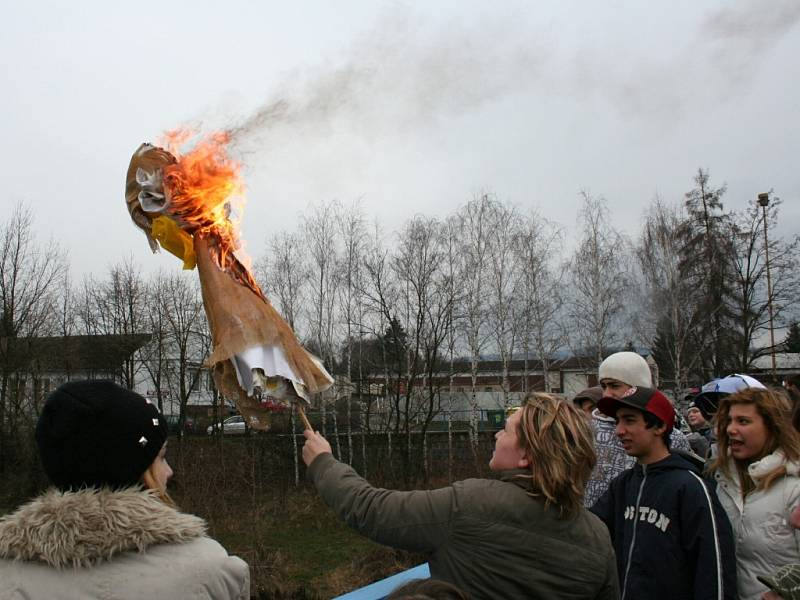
<point x="763" y="200"/>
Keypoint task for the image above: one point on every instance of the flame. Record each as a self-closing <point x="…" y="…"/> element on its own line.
<point x="201" y="183"/>
<point x="204" y="186"/>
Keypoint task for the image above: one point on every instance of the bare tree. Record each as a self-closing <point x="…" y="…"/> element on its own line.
<point x="380" y="294"/>
<point x="283" y="272"/>
<point x="352" y="234"/>
<point x="64" y="307"/>
<point x="751" y="295"/>
<point x="187" y="335"/>
<point x="669" y="309"/>
<point x="428" y="305"/>
<point x="117" y="306"/>
<point x="450" y="242"/>
<point x="475" y="239"/>
<point x="155" y="355"/>
<point x="31" y="275"/>
<point x="503" y="280"/>
<point x="541" y="297"/>
<point x="320" y="240"/>
<point x="598" y="280"/>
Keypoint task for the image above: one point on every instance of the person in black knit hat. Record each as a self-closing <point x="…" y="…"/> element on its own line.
<point x="109" y="526"/>
<point x="96" y="433"/>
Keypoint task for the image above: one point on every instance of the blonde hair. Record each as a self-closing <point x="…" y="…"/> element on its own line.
<point x="781" y="435"/>
<point x="150" y="482"/>
<point x="558" y="442"/>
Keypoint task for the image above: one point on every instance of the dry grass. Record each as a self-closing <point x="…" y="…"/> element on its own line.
<point x="295" y="546"/>
<point x="300" y="550"/>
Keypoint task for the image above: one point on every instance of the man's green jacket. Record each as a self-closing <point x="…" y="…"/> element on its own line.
<point x="488" y="537"/>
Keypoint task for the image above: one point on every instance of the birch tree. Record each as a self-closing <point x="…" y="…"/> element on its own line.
<point x="319" y="237"/>
<point x="283" y="272"/>
<point x="669" y="310"/>
<point x="503" y="286"/>
<point x="599" y="279"/>
<point x="351" y="232"/>
<point x="475" y="239"/>
<point x="155" y="355"/>
<point x="537" y="249"/>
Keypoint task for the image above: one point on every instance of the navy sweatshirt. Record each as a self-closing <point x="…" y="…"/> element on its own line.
<point x="672" y="538"/>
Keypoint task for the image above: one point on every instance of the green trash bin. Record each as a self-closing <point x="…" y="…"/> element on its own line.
<point x="496" y="418"/>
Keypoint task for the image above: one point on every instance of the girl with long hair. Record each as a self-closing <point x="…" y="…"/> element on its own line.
<point x="758" y="482"/>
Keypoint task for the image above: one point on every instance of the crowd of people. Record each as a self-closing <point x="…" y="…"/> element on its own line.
<point x="610" y="495"/>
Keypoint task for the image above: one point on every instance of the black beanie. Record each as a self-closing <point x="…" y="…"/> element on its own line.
<point x="97" y="433"/>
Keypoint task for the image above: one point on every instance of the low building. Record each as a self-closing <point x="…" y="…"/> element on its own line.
<point x="35" y="366"/>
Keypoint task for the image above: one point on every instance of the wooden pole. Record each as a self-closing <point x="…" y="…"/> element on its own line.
<point x="303" y="417"/>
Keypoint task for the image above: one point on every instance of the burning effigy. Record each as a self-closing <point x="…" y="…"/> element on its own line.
<point x="182" y="202"/>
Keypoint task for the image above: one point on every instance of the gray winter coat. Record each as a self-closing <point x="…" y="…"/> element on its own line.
<point x="113" y="545"/>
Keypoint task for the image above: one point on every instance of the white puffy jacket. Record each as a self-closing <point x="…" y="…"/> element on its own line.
<point x="764" y="539"/>
<point x="113" y="545"/>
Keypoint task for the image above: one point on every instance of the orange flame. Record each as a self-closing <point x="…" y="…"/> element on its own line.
<point x="202" y="185"/>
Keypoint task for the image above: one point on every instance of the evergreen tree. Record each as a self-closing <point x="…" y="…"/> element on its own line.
<point x="663" y="342"/>
<point x="792" y="341"/>
<point x="706" y="264"/>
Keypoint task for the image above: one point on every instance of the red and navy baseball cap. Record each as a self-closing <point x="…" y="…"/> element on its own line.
<point x="644" y="399"/>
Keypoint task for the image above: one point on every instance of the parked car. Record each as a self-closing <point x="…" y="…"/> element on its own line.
<point x="231" y="426"/>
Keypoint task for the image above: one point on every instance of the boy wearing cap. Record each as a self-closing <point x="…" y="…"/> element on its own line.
<point x="587" y="399"/>
<point x="618" y="373"/>
<point x="671" y="536"/>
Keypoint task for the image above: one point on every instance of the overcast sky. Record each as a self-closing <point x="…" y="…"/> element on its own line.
<point x="410" y="107"/>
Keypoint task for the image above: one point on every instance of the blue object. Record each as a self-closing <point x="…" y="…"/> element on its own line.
<point x="384" y="587"/>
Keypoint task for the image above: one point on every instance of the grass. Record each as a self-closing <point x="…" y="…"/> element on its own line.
<point x="299" y="549"/>
<point x="295" y="546"/>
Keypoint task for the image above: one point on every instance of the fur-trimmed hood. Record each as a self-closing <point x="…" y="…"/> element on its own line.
<point x="761" y="468"/>
<point x="86" y="527"/>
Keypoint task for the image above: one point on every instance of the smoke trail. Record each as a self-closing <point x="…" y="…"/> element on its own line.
<point x="402" y="73"/>
<point x="408" y="73"/>
<point x="722" y="56"/>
